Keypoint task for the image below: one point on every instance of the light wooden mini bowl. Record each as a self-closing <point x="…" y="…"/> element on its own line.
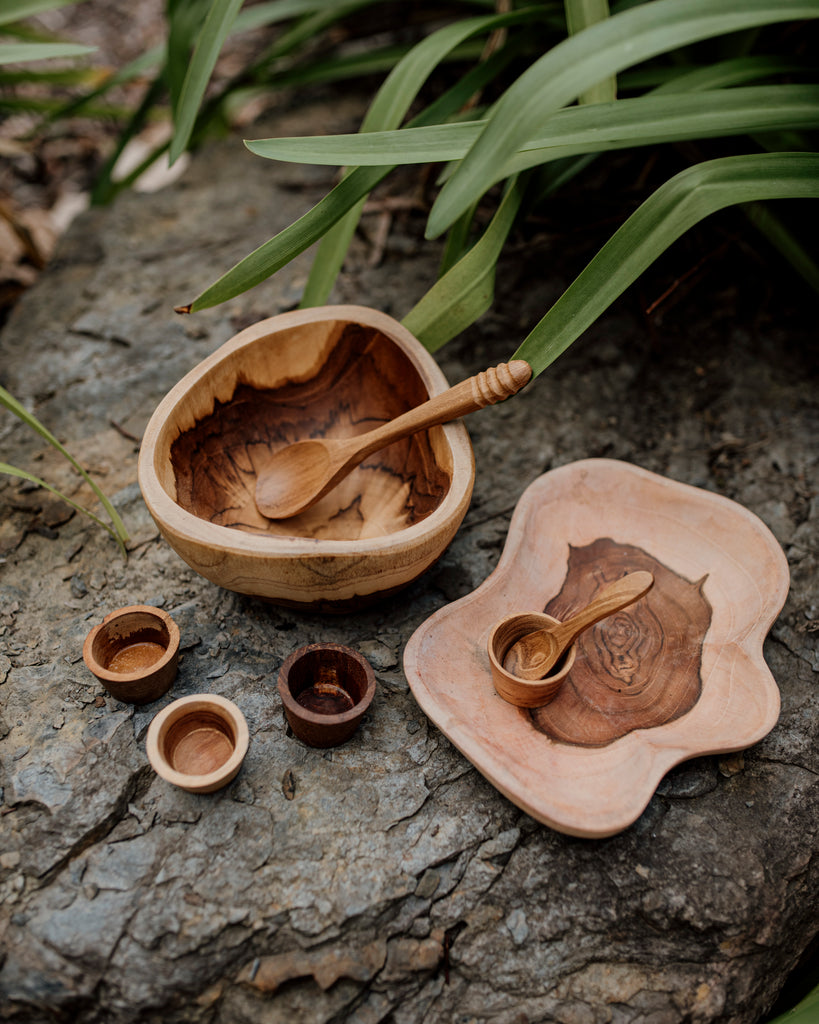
<point x="198" y="743"/>
<point x="525" y="693"/>
<point x="134" y="652"/>
<point x="335" y="371"/>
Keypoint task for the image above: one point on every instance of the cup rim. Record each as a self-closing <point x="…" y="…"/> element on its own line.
<point x="104" y="674"/>
<point x="313" y="717"/>
<point x="539" y="691"/>
<point x="179" y="709"/>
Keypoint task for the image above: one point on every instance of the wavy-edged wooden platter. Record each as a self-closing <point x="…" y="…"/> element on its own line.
<point x="677" y="675"/>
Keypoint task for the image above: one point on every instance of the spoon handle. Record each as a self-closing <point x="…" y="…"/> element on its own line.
<point x="619" y="594"/>
<point x="485" y="388"/>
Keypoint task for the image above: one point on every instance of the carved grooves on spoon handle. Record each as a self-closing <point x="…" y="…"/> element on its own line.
<point x="500" y="382"/>
<point x="485" y="388"/>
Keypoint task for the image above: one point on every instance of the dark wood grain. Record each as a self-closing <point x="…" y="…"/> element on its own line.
<point x="638" y="668"/>
<point x="366" y="380"/>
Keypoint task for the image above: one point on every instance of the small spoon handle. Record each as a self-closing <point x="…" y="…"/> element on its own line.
<point x="485" y="388"/>
<point x="619" y="594"/>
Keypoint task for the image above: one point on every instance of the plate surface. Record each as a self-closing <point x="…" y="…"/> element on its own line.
<point x="677" y="675"/>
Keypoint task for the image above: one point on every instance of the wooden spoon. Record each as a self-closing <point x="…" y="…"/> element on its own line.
<point x="534" y="655"/>
<point x="298" y="475"/>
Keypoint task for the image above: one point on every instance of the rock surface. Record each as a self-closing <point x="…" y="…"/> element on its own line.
<point x="385" y="880"/>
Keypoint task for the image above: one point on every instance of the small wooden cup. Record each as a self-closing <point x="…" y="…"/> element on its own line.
<point x="198" y="743"/>
<point x="134" y="652"/>
<point x="326" y="690"/>
<point x="525" y="693"/>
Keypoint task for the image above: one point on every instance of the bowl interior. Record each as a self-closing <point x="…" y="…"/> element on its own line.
<point x="132" y="642"/>
<point x="327" y="681"/>
<point x="327" y="378"/>
<point x="198" y="742"/>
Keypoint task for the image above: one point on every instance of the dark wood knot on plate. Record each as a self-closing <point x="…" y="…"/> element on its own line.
<point x="637" y="669"/>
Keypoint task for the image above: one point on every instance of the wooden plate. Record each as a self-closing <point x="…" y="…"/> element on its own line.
<point x="677" y="675"/>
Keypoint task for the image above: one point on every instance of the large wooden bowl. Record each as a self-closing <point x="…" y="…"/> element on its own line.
<point x="334" y="371"/>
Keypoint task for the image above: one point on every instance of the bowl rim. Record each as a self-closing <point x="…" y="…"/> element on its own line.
<point x="192" y="528"/>
<point x="178" y="709"/>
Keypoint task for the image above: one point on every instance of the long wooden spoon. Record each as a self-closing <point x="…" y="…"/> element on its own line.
<point x="298" y="475"/>
<point x="534" y="655"/>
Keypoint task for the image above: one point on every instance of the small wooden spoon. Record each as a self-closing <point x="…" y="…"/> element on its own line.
<point x="535" y="654"/>
<point x="298" y="475"/>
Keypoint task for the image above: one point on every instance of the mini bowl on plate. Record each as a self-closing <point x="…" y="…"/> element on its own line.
<point x="334" y="371"/>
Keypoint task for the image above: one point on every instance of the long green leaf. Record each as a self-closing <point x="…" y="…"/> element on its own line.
<point x="645" y="120"/>
<point x="391" y="103"/>
<point x="294" y="239"/>
<point x="466" y="291"/>
<point x="675" y="207"/>
<point x="214" y="31"/>
<point x="582" y="14"/>
<point x="14" y="471"/>
<point x="18" y="409"/>
<point x="561" y="74"/>
<point x="735" y="71"/>
<point x="16" y="10"/>
<point x="260" y="15"/>
<point x="21" y="53"/>
<point x="769" y="225"/>
<point x="805" y="1012"/>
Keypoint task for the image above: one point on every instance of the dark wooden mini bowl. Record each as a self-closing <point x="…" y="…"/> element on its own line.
<point x="198" y="743"/>
<point x="123" y="652"/>
<point x="526" y="693"/>
<point x="336" y="371"/>
<point x="331" y="677"/>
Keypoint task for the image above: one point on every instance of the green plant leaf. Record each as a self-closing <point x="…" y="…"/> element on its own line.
<point x="560" y="76"/>
<point x="581" y="14"/>
<point x="275" y="11"/>
<point x="21" y="53"/>
<point x="217" y="25"/>
<point x="18" y="409"/>
<point x="768" y="224"/>
<point x="466" y="291"/>
<point x="645" y="120"/>
<point x="391" y="103"/>
<point x="294" y="239"/>
<point x="675" y="207"/>
<point x="805" y="1011"/>
<point x="735" y="71"/>
<point x="16" y="10"/>
<point x="14" y="471"/>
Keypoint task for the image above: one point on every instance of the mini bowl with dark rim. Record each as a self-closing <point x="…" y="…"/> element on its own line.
<point x="525" y="693"/>
<point x="335" y="371"/>
<point x="134" y="652"/>
<point x="198" y="743"/>
<point x="326" y="690"/>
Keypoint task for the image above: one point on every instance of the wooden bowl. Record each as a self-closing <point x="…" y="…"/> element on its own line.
<point x="525" y="693"/>
<point x="134" y="652"/>
<point x="334" y="371"/>
<point x="326" y="690"/>
<point x="198" y="743"/>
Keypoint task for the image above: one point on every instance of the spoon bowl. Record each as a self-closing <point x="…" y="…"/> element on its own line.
<point x="299" y="475"/>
